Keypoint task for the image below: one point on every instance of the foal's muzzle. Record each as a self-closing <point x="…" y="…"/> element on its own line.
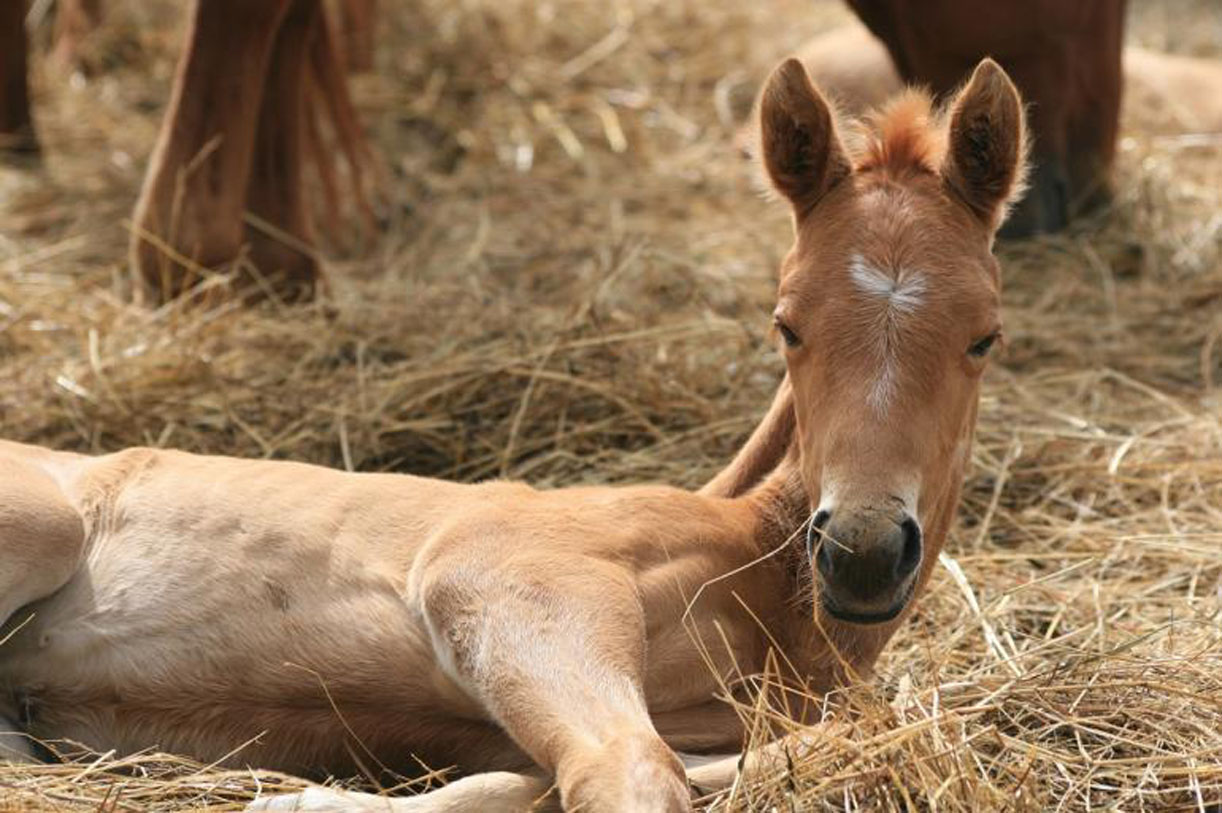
<point x="865" y="562"/>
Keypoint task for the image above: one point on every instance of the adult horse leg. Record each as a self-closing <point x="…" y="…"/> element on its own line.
<point x="189" y="218"/>
<point x="16" y="127"/>
<point x="75" y="20"/>
<point x="1093" y="124"/>
<point x="357" y="21"/>
<point x="15" y="746"/>
<point x="331" y="100"/>
<point x="279" y="230"/>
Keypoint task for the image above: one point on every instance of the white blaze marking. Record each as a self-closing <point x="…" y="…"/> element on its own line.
<point x="905" y="292"/>
<point x="902" y="294"/>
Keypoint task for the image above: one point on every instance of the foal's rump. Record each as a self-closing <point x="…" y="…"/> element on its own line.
<point x="222" y="608"/>
<point x="42" y="535"/>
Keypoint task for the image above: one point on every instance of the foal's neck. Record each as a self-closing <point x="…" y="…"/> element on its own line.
<point x="780" y="502"/>
<point x="763" y="452"/>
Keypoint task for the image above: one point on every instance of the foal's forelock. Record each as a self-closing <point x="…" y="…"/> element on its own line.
<point x="905" y="136"/>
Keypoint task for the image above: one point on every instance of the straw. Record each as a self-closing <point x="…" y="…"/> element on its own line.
<point x="572" y="285"/>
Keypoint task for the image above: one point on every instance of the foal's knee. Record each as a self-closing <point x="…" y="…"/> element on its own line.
<point x="42" y="537"/>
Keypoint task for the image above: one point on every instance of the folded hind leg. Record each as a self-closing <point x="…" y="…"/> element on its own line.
<point x="41" y="541"/>
<point x="42" y="535"/>
<point x="15" y="746"/>
<point x="495" y="792"/>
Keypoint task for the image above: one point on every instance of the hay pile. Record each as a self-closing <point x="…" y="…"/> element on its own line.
<point x="573" y="286"/>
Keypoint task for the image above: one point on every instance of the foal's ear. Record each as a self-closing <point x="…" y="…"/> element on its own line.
<point x="986" y="152"/>
<point x="802" y="153"/>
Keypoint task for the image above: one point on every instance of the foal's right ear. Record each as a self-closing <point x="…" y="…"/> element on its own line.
<point x="802" y="153"/>
<point x="987" y="144"/>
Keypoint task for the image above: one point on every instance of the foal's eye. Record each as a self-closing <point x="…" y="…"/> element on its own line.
<point x="791" y="338"/>
<point x="981" y="348"/>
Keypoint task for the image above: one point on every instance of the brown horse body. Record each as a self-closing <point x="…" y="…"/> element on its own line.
<point x="1065" y="58"/>
<point x="16" y="126"/>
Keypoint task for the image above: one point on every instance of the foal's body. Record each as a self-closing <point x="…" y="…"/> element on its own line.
<point x="203" y="601"/>
<point x="159" y="598"/>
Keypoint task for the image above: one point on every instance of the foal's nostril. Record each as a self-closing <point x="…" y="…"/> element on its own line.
<point x="814" y="535"/>
<point x="823" y="561"/>
<point x="910" y="554"/>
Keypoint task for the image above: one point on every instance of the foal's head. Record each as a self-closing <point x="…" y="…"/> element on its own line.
<point x="887" y="310"/>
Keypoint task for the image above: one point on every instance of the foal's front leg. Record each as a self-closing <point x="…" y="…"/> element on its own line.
<point x="555" y="653"/>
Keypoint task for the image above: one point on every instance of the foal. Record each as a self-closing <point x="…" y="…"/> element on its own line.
<point x="333" y="621"/>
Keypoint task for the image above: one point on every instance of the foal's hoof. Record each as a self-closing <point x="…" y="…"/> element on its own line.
<point x="320" y="799"/>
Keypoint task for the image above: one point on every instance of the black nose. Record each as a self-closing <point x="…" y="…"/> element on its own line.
<point x="814" y="531"/>
<point x="910" y="552"/>
<point x="864" y="561"/>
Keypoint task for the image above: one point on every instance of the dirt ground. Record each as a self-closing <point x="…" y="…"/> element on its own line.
<point x="570" y="281"/>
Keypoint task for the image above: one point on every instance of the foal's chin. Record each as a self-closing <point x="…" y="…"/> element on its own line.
<point x="872" y="614"/>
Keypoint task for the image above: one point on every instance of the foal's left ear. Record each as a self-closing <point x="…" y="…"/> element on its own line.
<point x="986" y="155"/>
<point x="801" y="149"/>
